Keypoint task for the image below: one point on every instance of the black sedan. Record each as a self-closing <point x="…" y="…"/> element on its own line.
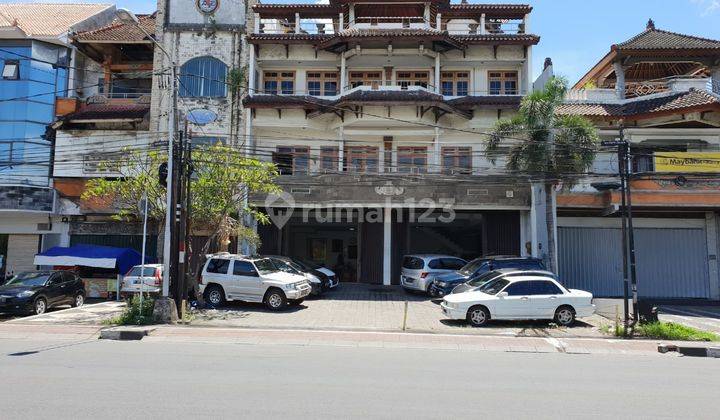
<point x="37" y="291"/>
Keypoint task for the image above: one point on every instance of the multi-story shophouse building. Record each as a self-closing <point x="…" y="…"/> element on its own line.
<point x="658" y="91"/>
<point x="38" y="65"/>
<point x="95" y="126"/>
<point x="376" y="113"/>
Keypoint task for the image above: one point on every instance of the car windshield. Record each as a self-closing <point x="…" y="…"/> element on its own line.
<point x="265" y="266"/>
<point x="287" y="266"/>
<point x="135" y="272"/>
<point x="307" y="264"/>
<point x="494" y="286"/>
<point x="471" y="267"/>
<point x="29" y="279"/>
<point x="482" y="279"/>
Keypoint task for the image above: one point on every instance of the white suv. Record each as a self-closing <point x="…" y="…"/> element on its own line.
<point x="227" y="277"/>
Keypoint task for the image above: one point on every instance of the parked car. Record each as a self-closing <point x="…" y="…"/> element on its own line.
<point x="519" y="297"/>
<point x="228" y="277"/>
<point x="333" y="279"/>
<point x="319" y="282"/>
<point x="445" y="283"/>
<point x="419" y="271"/>
<point x="35" y="292"/>
<point x="492" y="275"/>
<point x="150" y="281"/>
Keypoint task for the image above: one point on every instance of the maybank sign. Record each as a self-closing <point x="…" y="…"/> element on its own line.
<point x="687" y="162"/>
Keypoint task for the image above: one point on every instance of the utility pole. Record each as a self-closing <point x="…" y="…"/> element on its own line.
<point x="627" y="231"/>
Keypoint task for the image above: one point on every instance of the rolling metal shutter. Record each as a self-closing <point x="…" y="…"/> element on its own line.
<point x="671" y="262"/>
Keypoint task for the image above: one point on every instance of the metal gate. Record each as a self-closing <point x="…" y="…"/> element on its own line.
<point x="671" y="262"/>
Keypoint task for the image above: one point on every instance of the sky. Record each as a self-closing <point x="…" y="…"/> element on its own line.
<point x="576" y="34"/>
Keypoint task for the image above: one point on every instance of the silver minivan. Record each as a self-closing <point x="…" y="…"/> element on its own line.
<point x="419" y="271"/>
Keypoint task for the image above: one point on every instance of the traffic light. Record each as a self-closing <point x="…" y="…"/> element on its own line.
<point x="163" y="174"/>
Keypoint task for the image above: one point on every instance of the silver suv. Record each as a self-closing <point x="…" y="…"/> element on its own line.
<point x="227" y="277"/>
<point x="419" y="271"/>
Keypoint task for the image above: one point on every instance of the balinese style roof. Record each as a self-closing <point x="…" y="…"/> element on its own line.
<point x="490" y="101"/>
<point x="109" y="112"/>
<point x="468" y="10"/>
<point x="46" y="20"/>
<point x="656" y="39"/>
<point x="650" y="106"/>
<point x="120" y="32"/>
<point x="284" y="101"/>
<point x="653" y="43"/>
<point x="494" y="39"/>
<point x="391" y="35"/>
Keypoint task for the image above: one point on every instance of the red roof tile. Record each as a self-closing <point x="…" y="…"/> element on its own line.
<point x="651" y="105"/>
<point x="110" y="112"/>
<point x="120" y="32"/>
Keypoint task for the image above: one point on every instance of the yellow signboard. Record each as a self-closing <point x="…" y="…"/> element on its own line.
<point x="687" y="162"/>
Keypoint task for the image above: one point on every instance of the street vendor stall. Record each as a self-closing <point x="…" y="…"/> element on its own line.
<point x="101" y="267"/>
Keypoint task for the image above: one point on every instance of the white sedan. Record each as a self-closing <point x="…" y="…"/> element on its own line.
<point x="519" y="297"/>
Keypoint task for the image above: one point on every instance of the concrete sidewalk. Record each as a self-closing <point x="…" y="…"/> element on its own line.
<point x="450" y="342"/>
<point x="90" y="314"/>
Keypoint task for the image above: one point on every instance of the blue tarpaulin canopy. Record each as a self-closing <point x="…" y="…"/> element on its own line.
<point x="92" y="256"/>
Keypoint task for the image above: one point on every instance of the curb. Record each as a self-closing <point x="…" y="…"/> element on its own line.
<point x="125" y="334"/>
<point x="690" y="351"/>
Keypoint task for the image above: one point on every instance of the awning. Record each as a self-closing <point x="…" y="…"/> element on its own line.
<point x="92" y="256"/>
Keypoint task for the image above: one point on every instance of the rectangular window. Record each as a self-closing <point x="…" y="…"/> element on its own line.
<point x="412" y="159"/>
<point x="279" y="82"/>
<point x="322" y="83"/>
<point x="361" y="159"/>
<point x="11" y="70"/>
<point x="366" y="78"/>
<point x="456" y="160"/>
<point x="503" y="82"/>
<point x="329" y="159"/>
<point x="218" y="266"/>
<point x="455" y="83"/>
<point x="412" y="78"/>
<point x="292" y="159"/>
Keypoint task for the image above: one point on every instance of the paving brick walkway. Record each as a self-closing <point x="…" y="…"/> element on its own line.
<point x="360" y="307"/>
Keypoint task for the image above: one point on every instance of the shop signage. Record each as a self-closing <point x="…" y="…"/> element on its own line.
<point x="687" y="162"/>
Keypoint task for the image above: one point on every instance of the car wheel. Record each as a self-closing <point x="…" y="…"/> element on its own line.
<point x="275" y="300"/>
<point x="78" y="301"/>
<point x="297" y="302"/>
<point x="478" y="316"/>
<point x="565" y="316"/>
<point x="40" y="306"/>
<point x="214" y="295"/>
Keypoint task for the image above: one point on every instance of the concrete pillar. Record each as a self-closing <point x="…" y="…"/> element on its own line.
<point x="256" y="23"/>
<point x="526" y="72"/>
<point x="426" y="15"/>
<point x="341" y="149"/>
<point x="483" y="31"/>
<point x="297" y="23"/>
<point x="387" y="246"/>
<point x="620" y="77"/>
<point x="251" y="70"/>
<point x="351" y="14"/>
<point x="343" y="73"/>
<point x="711" y="229"/>
<point x="341" y="22"/>
<point x="437" y="72"/>
<point x="438" y="21"/>
<point x="436" y="161"/>
<point x="526" y="23"/>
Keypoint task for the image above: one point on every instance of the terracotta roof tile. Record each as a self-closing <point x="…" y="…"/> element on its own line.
<point x="47" y="19"/>
<point x="651" y="105"/>
<point x="525" y="39"/>
<point x="289" y="37"/>
<point x="109" y="112"/>
<point x="655" y="39"/>
<point x="120" y="32"/>
<point x="502" y="101"/>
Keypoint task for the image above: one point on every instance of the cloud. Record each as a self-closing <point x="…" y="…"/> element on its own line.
<point x="708" y="6"/>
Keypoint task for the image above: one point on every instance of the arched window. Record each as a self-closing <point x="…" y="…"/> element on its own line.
<point x="203" y="77"/>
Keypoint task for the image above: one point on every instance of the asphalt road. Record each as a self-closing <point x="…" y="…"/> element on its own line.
<point x="155" y="379"/>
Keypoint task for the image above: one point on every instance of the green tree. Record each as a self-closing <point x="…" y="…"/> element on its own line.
<point x="223" y="179"/>
<point x="546" y="146"/>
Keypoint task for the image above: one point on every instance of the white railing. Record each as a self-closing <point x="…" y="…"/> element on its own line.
<point x="305" y="26"/>
<point x="592" y="95"/>
<point x="491" y="27"/>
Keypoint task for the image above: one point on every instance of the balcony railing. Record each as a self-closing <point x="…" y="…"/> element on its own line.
<point x="304" y="26"/>
<point x="503" y="26"/>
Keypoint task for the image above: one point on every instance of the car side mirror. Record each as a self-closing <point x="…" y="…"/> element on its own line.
<point x="502" y="295"/>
